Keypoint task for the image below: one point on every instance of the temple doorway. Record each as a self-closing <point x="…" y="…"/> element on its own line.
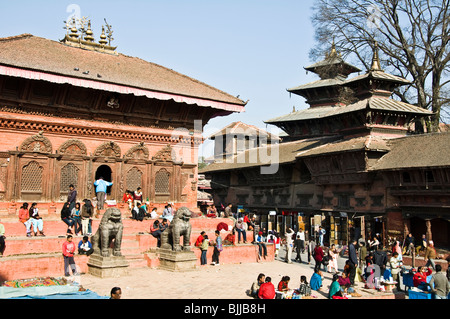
<point x="105" y="172"/>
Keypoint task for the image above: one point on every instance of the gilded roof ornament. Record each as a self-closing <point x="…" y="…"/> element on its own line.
<point x="71" y="27"/>
<point x="103" y="37"/>
<point x="83" y="37"/>
<point x="89" y="33"/>
<point x="376" y="65"/>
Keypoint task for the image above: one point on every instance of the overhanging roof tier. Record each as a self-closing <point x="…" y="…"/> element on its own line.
<point x="416" y="151"/>
<point x="372" y="103"/>
<point x="365" y="143"/>
<point x="264" y="156"/>
<point x="36" y="58"/>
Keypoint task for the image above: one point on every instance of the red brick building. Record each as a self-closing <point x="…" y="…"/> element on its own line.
<point x="73" y="110"/>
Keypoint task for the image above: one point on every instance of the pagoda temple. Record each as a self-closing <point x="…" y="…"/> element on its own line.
<point x="350" y="162"/>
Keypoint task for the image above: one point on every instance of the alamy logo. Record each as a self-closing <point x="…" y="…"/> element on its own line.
<point x="374" y="19"/>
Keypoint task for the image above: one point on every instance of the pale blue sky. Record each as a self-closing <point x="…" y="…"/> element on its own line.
<point x="252" y="48"/>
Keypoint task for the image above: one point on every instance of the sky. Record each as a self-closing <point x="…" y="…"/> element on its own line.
<point x="256" y="49"/>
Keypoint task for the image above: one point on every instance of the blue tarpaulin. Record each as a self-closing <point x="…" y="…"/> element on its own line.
<point x="51" y="292"/>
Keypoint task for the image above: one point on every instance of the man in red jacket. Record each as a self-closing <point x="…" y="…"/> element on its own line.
<point x="267" y="290"/>
<point x="68" y="250"/>
<point x="318" y="257"/>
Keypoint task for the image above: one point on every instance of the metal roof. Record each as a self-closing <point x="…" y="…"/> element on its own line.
<point x="372" y="103"/>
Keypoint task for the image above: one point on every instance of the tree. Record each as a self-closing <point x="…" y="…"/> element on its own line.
<point x="413" y="38"/>
<point x="201" y="163"/>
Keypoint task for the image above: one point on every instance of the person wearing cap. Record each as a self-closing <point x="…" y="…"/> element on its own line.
<point x="430" y="255"/>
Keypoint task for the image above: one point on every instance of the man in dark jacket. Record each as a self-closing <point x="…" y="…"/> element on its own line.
<point x="380" y="258"/>
<point x="353" y="258"/>
<point x="72" y="196"/>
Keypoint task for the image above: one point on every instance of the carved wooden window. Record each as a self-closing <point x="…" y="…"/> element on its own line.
<point x="134" y="179"/>
<point x="69" y="175"/>
<point x="32" y="177"/>
<point x="162" y="179"/>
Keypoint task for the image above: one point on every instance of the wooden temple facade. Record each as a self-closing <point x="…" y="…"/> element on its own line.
<point x="75" y="110"/>
<point x="350" y="163"/>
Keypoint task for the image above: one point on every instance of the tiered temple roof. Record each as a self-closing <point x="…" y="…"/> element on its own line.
<point x="349" y="107"/>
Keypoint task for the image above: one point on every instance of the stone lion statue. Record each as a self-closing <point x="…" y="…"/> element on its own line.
<point x="109" y="232"/>
<point x="180" y="226"/>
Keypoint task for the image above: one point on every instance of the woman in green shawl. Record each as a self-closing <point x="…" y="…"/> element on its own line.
<point x="335" y="288"/>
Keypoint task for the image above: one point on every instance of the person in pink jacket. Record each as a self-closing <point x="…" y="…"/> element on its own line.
<point x="68" y="250"/>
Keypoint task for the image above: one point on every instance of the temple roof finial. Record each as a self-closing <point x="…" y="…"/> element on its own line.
<point x="89" y="34"/>
<point x="376" y="65"/>
<point x="73" y="30"/>
<point x="103" y="40"/>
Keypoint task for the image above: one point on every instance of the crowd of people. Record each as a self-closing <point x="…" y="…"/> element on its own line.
<point x="263" y="288"/>
<point x="366" y="262"/>
<point x="203" y="243"/>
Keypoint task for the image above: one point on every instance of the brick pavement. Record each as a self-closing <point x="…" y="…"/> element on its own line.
<point x="228" y="281"/>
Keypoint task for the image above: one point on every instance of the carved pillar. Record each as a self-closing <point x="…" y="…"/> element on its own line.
<point x="429" y="234"/>
<point x="89" y="180"/>
<point x="407" y="228"/>
<point x="13" y="178"/>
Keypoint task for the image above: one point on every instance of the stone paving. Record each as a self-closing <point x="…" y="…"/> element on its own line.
<point x="228" y="281"/>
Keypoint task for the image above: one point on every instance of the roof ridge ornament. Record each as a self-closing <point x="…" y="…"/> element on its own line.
<point x="333" y="53"/>
<point x="376" y="65"/>
<point x="89" y="33"/>
<point x="85" y="39"/>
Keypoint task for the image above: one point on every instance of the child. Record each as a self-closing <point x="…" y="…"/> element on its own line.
<point x="36" y="220"/>
<point x="76" y="215"/>
<point x="304" y="289"/>
<point x="128" y="199"/>
<point x="217" y="248"/>
<point x="85" y="247"/>
<point x="68" y="250"/>
<point x="283" y="285"/>
<point x="204" y="249"/>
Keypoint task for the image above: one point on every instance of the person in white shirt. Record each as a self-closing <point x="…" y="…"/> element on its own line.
<point x="154" y="213"/>
<point x="289" y="245"/>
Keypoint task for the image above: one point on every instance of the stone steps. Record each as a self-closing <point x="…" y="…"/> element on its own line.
<point x="52" y="264"/>
<point x="56" y="227"/>
<point x="29" y="257"/>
